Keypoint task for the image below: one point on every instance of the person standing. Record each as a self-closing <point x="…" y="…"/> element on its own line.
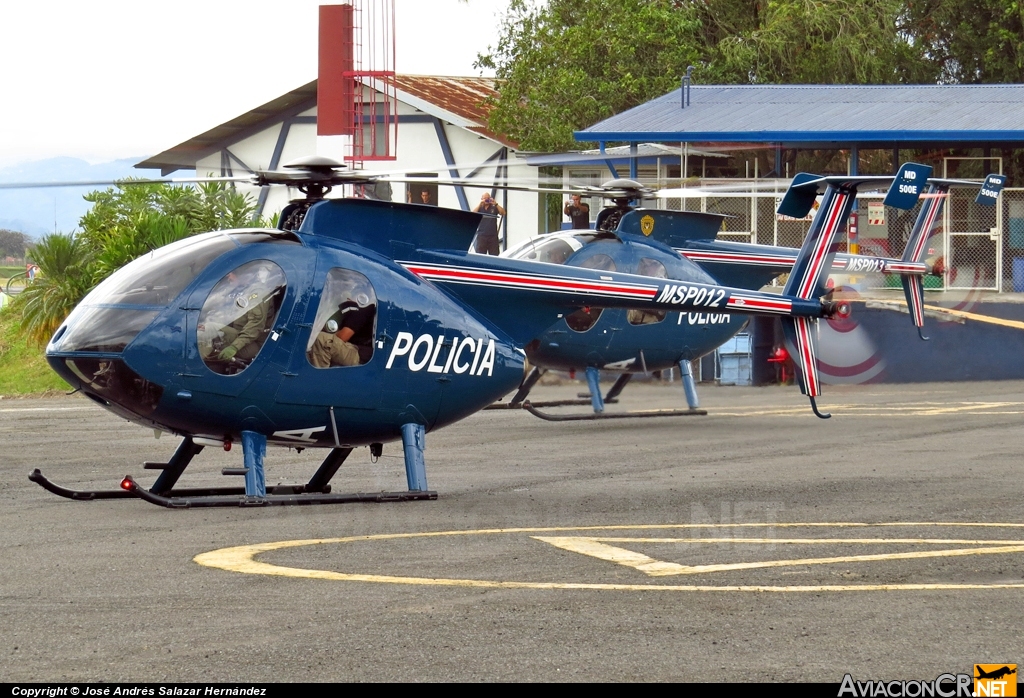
<point x="578" y="212"/>
<point x="487" y="231"/>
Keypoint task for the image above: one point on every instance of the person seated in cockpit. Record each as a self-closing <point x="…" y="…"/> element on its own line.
<point x="347" y="337"/>
<point x="253" y="299"/>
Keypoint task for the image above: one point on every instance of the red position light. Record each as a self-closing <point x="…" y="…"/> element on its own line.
<point x="227" y="444"/>
<point x="127" y="483"/>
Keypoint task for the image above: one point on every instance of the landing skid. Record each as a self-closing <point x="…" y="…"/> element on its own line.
<point x="37" y="477"/>
<point x="255" y="492"/>
<point x="272" y="498"/>
<point x="547" y="403"/>
<point x="592" y="416"/>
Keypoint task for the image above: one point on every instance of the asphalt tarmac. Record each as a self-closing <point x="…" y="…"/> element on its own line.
<point x="757" y="543"/>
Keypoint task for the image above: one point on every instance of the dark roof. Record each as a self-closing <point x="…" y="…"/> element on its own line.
<point x="464" y="97"/>
<point x="459" y="96"/>
<point x="648" y="153"/>
<point x="825" y="116"/>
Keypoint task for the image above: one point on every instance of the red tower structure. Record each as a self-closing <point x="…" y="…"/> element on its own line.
<point x="356" y="83"/>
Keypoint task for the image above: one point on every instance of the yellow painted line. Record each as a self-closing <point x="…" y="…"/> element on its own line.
<point x="1016" y="324"/>
<point x="811" y="541"/>
<point x="657" y="568"/>
<point x="241" y="559"/>
<point x="895" y="410"/>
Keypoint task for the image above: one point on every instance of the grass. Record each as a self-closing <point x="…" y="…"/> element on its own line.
<point x="7" y="272"/>
<point x="23" y="369"/>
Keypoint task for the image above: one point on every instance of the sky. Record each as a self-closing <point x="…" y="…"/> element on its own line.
<point x="107" y="79"/>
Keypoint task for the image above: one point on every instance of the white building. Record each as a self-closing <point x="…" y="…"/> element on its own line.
<point x="442" y="133"/>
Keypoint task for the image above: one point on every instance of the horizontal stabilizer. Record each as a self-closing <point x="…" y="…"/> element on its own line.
<point x="908" y="185"/>
<point x="989" y="192"/>
<point x="800" y="196"/>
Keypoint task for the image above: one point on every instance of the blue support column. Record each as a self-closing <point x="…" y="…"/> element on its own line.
<point x="414" y="441"/>
<point x="689" y="385"/>
<point x="254" y="450"/>
<point x="593" y="380"/>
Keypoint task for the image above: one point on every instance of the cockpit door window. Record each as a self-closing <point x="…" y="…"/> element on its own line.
<point x="654" y="268"/>
<point x="585" y="318"/>
<point x="344" y="327"/>
<point x="239" y="315"/>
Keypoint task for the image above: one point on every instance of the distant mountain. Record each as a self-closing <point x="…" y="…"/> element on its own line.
<point x="39" y="211"/>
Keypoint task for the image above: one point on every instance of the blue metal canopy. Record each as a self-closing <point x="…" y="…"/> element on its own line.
<point x="828" y="116"/>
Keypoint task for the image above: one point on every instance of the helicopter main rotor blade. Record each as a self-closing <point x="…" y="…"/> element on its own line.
<point x="121" y="182"/>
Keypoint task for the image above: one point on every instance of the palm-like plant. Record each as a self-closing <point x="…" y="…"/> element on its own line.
<point x="63" y="281"/>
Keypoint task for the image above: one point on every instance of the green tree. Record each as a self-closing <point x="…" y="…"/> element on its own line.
<point x="133" y="219"/>
<point x="568" y="64"/>
<point x="813" y="42"/>
<point x="981" y="41"/>
<point x="124" y="222"/>
<point x="571" y="63"/>
<point x="13" y="243"/>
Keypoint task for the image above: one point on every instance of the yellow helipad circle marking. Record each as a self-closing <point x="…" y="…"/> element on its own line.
<point x="242" y="558"/>
<point x="903" y="409"/>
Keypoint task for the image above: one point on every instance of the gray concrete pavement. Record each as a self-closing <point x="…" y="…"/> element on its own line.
<point x="622" y="590"/>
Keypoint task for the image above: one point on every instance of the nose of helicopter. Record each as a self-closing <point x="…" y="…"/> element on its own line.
<point x="88" y="349"/>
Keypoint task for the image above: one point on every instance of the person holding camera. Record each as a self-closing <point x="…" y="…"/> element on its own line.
<point x="487" y="231"/>
<point x="578" y="212"/>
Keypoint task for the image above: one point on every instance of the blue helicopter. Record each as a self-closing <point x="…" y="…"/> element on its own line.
<point x="631" y="341"/>
<point x="355" y="323"/>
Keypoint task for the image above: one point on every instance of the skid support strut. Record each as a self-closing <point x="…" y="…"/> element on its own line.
<point x="254" y="450"/>
<point x="527" y="386"/>
<point x="321" y="478"/>
<point x="593" y="380"/>
<point x="183" y="455"/>
<point x="414" y="442"/>
<point x="620" y="383"/>
<point x="689" y="385"/>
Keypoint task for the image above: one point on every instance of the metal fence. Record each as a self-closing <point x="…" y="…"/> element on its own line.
<point x="981" y="247"/>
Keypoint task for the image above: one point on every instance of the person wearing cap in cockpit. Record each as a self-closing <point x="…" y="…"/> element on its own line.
<point x="347" y="337"/>
<point x="243" y="338"/>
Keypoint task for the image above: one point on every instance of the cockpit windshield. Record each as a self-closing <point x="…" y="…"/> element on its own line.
<point x="156" y="279"/>
<point x="111" y="316"/>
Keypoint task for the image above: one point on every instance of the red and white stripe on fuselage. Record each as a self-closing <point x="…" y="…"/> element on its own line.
<point x="828" y="232"/>
<point x="740" y="303"/>
<point x="845" y="262"/>
<point x="926" y="229"/>
<point x="683" y="295"/>
<point x="805" y="349"/>
<point x="505" y="279"/>
<point x="915" y="299"/>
